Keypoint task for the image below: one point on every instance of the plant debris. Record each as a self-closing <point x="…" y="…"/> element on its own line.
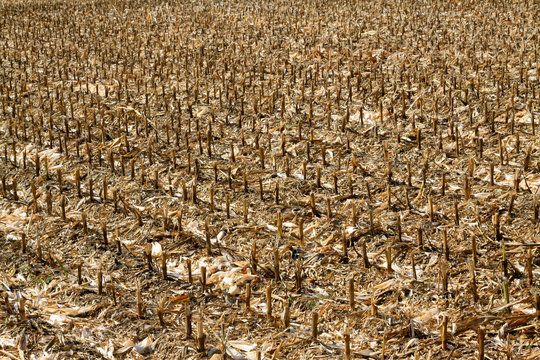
<point x="269" y="179"/>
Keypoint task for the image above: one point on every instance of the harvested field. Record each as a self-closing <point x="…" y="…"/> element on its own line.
<point x="269" y="179"/>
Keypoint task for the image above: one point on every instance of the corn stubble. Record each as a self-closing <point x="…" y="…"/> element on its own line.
<point x="174" y="175"/>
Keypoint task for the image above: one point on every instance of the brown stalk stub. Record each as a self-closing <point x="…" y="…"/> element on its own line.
<point x="201" y="336"/>
<point x="314" y="324"/>
<point x="269" y="303"/>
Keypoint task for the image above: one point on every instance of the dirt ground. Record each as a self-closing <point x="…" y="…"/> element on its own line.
<point x="269" y="179"/>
